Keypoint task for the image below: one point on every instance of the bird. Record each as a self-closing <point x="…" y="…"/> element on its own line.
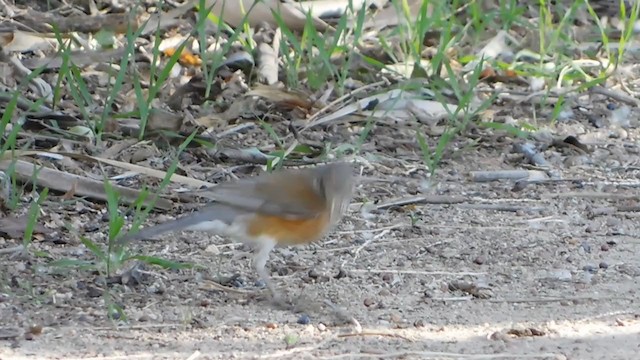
<point x="281" y="208"/>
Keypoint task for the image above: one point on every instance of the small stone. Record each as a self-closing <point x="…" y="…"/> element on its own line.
<point x="368" y="302"/>
<point x="271" y="325"/>
<point x="322" y="327"/>
<point x="603" y="265"/>
<point x="29" y="336"/>
<point x="499" y="336"/>
<point x="590" y="268"/>
<point x="93" y="292"/>
<point x="212" y="249"/>
<point x="205" y="302"/>
<point x="35" y="329"/>
<point x="386" y="277"/>
<point x="304" y="319"/>
<point x="605" y="247"/>
<point x="238" y="282"/>
<point x="591" y="228"/>
<point x="85" y="318"/>
<point x="418" y="323"/>
<point x="115" y="315"/>
<point x="395" y="318"/>
<point x="313" y="274"/>
<point x="586" y="247"/>
<point x="260" y="284"/>
<point x="341" y="274"/>
<point x="630" y="270"/>
<point x="480" y="260"/>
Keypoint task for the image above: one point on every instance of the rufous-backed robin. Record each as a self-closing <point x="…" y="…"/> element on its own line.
<point x="288" y="207"/>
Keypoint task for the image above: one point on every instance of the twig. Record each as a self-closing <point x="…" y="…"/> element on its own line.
<point x="366" y="333"/>
<point x="384" y="228"/>
<point x="12" y="250"/>
<point x="591" y="195"/>
<point x="431" y="199"/>
<point x="500" y="207"/>
<point x="357" y="252"/>
<point x="557" y="299"/>
<point x="437" y="354"/>
<point x="529" y="151"/>
<point x="132" y="327"/>
<point x="194" y="356"/>
<point x="331" y="105"/>
<point x="416" y="272"/>
<point x="616" y="95"/>
<point x="493" y="175"/>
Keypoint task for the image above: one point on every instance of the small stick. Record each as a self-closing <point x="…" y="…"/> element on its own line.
<point x="416" y="272"/>
<point x="431" y="199"/>
<point x="529" y="151"/>
<point x="556" y="299"/>
<point x="591" y="195"/>
<point x="439" y="355"/>
<point x="12" y="250"/>
<point x="500" y="207"/>
<point x="212" y="285"/>
<point x="493" y="175"/>
<point x="375" y="334"/>
<point x="616" y="95"/>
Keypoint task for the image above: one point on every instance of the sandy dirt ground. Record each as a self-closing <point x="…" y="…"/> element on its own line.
<point x="547" y="272"/>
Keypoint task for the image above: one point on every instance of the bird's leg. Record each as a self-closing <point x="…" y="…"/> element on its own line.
<point x="260" y="263"/>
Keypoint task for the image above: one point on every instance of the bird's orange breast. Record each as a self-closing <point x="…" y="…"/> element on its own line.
<point x="289" y="231"/>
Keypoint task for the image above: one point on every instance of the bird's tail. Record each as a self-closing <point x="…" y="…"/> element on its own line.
<point x="213" y="218"/>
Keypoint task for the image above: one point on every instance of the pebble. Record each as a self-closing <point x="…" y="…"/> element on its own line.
<point x="271" y="325"/>
<point x="395" y="318"/>
<point x="418" y="323"/>
<point x="368" y="302"/>
<point x="115" y="315"/>
<point x="238" y="282"/>
<point x="93" y="292"/>
<point x="629" y="270"/>
<point x="560" y="274"/>
<point x="304" y="319"/>
<point x="313" y="274"/>
<point x="322" y="327"/>
<point x="35" y="329"/>
<point x="212" y="249"/>
<point x="586" y="247"/>
<point x="341" y="274"/>
<point x="605" y="247"/>
<point x="603" y="265"/>
<point x="480" y="260"/>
